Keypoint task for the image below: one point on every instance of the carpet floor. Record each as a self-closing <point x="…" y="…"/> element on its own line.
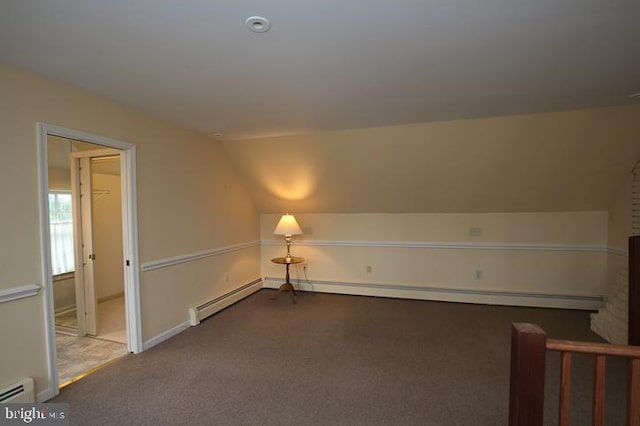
<point x="334" y="359"/>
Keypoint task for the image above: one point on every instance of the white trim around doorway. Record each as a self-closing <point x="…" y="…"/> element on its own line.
<point x="130" y="243"/>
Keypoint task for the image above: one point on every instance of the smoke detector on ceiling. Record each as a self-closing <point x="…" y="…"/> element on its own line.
<point x="258" y="24"/>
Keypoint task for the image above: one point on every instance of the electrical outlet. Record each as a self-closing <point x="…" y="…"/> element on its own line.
<point x="478" y="274"/>
<point x="475" y="232"/>
<point x="226" y="277"/>
<point x="369" y="269"/>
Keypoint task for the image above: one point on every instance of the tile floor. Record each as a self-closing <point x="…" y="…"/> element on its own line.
<point x="78" y="355"/>
<point x="67" y="320"/>
<point x="111" y="321"/>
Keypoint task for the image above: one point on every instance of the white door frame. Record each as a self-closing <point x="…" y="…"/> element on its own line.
<point x="130" y="240"/>
<point x="86" y="296"/>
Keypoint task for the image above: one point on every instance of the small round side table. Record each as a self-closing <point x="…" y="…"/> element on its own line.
<point x="287" y="286"/>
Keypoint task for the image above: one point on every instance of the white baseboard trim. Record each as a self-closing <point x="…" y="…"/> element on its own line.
<point x="45" y="395"/>
<point x="488" y="297"/>
<point x="111" y="297"/>
<point x="148" y="344"/>
<point x="204" y="310"/>
<point x="220" y="303"/>
<point x="69" y="308"/>
<point x="64" y="310"/>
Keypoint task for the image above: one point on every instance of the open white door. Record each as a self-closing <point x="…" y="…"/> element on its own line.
<point x="81" y="184"/>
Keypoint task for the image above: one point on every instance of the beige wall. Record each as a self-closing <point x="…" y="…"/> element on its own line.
<point x="59" y="179"/>
<point x="552" y="253"/>
<point x="189" y="200"/>
<point x="553" y="176"/>
<point x="64" y="293"/>
<point x="563" y="161"/>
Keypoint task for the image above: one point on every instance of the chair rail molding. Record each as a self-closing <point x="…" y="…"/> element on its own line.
<point x="19" y="292"/>
<point x="454" y="245"/>
<point x="190" y="257"/>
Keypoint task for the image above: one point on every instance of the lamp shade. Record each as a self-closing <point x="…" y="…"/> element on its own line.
<point x="287" y="226"/>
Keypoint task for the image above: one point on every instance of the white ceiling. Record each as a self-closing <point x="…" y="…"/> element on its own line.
<point x="331" y="64"/>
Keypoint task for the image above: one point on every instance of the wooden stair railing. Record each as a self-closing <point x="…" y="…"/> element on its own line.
<point x="529" y="344"/>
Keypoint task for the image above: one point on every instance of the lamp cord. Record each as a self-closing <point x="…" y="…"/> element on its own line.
<point x="306" y="278"/>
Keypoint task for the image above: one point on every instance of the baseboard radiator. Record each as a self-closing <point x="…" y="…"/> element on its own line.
<point x="18" y="393"/>
<point x="200" y="312"/>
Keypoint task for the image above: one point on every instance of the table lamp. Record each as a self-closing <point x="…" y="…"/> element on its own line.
<point x="288" y="226"/>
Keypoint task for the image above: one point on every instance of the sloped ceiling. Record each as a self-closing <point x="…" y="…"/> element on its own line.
<point x="577" y="160"/>
<point x="331" y="64"/>
<point x="374" y="66"/>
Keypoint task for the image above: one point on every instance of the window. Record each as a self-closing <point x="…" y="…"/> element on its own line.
<point x="61" y="224"/>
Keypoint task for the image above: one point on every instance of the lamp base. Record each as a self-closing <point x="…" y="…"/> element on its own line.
<point x="288" y="257"/>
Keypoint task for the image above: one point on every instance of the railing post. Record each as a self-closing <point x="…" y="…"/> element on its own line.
<point x="598" y="389"/>
<point x="565" y="390"/>
<point x="526" y="393"/>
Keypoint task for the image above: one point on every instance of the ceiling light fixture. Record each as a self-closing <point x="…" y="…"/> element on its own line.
<point x="258" y="24"/>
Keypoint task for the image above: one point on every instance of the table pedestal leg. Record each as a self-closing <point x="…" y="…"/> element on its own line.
<point x="287" y="286"/>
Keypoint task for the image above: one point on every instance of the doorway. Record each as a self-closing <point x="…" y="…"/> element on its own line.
<point x="90" y="315"/>
<point x="93" y="299"/>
